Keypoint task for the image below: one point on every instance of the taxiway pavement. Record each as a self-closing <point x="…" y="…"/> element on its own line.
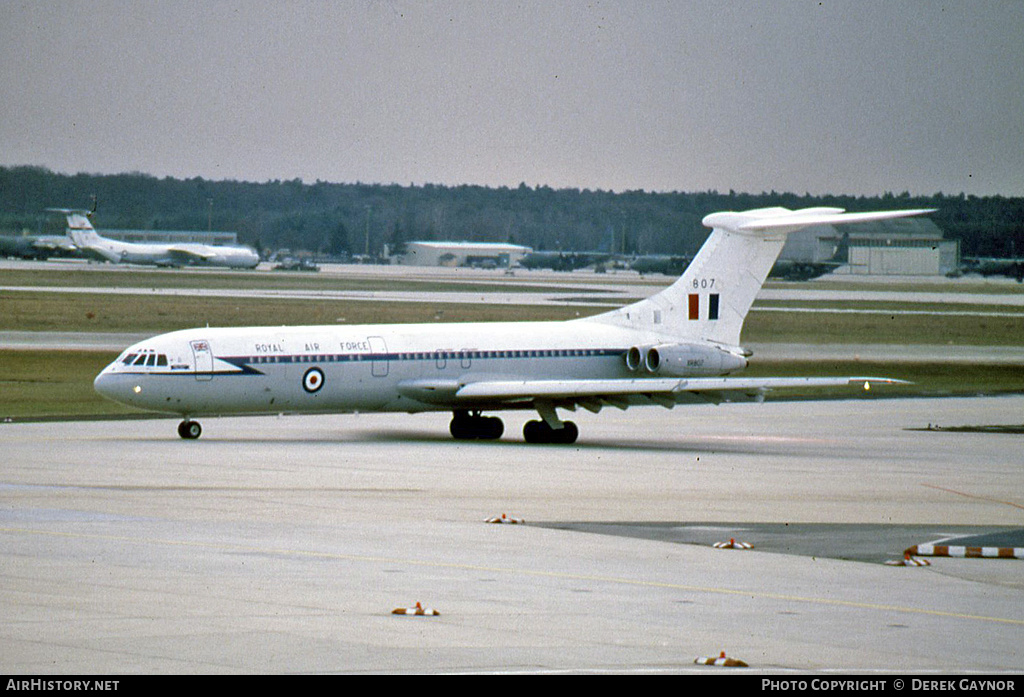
<point x="282" y="545"/>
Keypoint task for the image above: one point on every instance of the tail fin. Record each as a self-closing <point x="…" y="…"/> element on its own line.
<point x="711" y="299"/>
<point x="842" y="253"/>
<point x="80" y="229"/>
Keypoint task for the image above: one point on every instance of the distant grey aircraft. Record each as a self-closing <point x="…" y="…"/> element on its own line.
<point x="994" y="266"/>
<point x="84" y="237"/>
<point x="562" y="261"/>
<point x="36" y="246"/>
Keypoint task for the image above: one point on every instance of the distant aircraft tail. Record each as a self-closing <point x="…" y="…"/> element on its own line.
<point x="842" y="254"/>
<point x="82" y="234"/>
<point x="711" y="299"/>
<point x="80" y="229"/>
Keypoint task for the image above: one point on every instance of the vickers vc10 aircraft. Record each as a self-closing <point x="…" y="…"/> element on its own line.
<point x="678" y="346"/>
<point x="82" y="234"/>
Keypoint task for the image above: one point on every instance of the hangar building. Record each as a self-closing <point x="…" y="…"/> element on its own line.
<point x="897" y="247"/>
<point x="901" y="247"/>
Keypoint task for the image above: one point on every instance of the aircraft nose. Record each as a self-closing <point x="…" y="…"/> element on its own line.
<point x="104" y="383"/>
<point x="112" y="385"/>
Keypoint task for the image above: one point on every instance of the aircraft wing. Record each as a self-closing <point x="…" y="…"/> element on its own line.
<point x="187" y="255"/>
<point x="54" y="243"/>
<point x="620" y="393"/>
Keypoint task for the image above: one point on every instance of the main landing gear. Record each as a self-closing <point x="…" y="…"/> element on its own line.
<point x="189" y="430"/>
<point x="473" y="426"/>
<point x="540" y="432"/>
<point x="550" y="429"/>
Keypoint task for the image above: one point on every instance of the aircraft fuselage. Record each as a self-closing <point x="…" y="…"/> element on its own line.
<point x="404" y="368"/>
<point x="176" y="255"/>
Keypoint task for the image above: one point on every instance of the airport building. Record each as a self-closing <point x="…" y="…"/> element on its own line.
<point x="897" y="247"/>
<point x="901" y="247"/>
<point x="481" y="254"/>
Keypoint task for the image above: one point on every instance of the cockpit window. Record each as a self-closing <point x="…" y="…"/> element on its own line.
<point x="146" y="359"/>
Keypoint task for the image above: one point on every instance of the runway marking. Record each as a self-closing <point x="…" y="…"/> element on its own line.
<point x="974" y="496"/>
<point x="527" y="572"/>
<point x="894" y="312"/>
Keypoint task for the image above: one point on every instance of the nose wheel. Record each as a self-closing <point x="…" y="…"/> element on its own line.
<point x="189" y="430"/>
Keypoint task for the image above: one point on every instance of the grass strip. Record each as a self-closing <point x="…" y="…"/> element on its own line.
<point x="39" y="384"/>
<point x="73" y="277"/>
<point x="43" y="311"/>
<point x="930" y="379"/>
<point x="84" y="312"/>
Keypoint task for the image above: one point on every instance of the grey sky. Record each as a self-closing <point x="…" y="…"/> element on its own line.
<point x="856" y="97"/>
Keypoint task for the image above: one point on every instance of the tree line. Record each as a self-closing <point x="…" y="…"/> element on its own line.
<point x="354" y="219"/>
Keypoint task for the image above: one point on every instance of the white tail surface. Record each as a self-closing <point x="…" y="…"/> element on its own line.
<point x="713" y="296"/>
<point x="80" y="230"/>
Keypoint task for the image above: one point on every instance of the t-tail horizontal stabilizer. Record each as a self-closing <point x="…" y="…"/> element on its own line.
<point x="711" y="299"/>
<point x="786" y="221"/>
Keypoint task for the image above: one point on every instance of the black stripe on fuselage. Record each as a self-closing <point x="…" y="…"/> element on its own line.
<point x="245" y="363"/>
<point x="474" y="355"/>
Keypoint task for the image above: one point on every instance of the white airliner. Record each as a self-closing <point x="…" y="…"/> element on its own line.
<point x="84" y="237"/>
<point x="675" y="347"/>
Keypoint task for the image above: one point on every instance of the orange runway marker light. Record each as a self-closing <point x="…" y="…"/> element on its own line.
<point x="733" y="544"/>
<point x="418" y="610"/>
<point x="722" y="661"/>
<point x="505" y="520"/>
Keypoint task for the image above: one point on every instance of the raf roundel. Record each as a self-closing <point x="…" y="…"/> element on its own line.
<point x="313" y="380"/>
